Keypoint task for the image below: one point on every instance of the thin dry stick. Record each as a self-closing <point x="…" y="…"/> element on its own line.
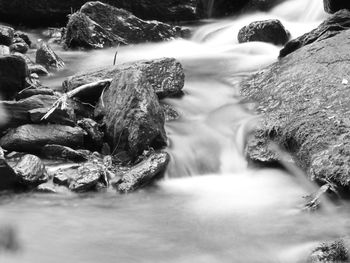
<point x="115" y="55"/>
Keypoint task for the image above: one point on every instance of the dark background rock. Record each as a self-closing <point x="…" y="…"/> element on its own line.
<point x="59" y="152"/>
<point x="305" y="107"/>
<point x="6" y="35"/>
<point x="270" y="31"/>
<point x="332" y="6"/>
<point x="48" y="58"/>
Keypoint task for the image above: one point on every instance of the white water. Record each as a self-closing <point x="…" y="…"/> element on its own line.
<point x="212" y="208"/>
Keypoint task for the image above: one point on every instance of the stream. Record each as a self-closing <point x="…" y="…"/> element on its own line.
<point x="210" y="208"/>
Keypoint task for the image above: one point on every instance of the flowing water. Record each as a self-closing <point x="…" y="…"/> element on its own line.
<point x="211" y="207"/>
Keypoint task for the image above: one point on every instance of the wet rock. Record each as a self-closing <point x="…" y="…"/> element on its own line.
<point x="334" y="25"/>
<point x="131" y="112"/>
<point x="48" y="58"/>
<point x="88" y="27"/>
<point x="6" y="35"/>
<point x="89" y="175"/>
<point x="304" y="102"/>
<point x="143" y="173"/>
<point x="59" y="152"/>
<point x="47" y="188"/>
<point x="59" y="116"/>
<point x="32" y="137"/>
<point x="32" y="67"/>
<point x="24" y="36"/>
<point x="8" y="177"/>
<point x="332" y="6"/>
<point x="170" y="113"/>
<point x="31" y="171"/>
<point x="331" y="252"/>
<point x="270" y="31"/>
<point x="18" y="111"/>
<point x="19" y="45"/>
<point x="94" y="138"/>
<point x="4" y="50"/>
<point x="165" y="75"/>
<point x="33" y="92"/>
<point x="12" y="76"/>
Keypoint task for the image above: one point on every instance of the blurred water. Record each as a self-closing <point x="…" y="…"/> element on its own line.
<point x="211" y="208"/>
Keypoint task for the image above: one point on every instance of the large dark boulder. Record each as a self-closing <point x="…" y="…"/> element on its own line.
<point x="332" y="6"/>
<point x="304" y="101"/>
<point x="131" y="112"/>
<point x="32" y="137"/>
<point x="98" y="25"/>
<point x="6" y="35"/>
<point x="166" y="76"/>
<point x="270" y="31"/>
<point x="334" y="25"/>
<point x="143" y="173"/>
<point x="13" y="71"/>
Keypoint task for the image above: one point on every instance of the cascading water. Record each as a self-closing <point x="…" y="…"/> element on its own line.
<point x="212" y="208"/>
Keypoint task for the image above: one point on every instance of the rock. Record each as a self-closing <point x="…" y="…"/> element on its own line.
<point x="24" y="36"/>
<point x="4" y="50"/>
<point x="334" y="25"/>
<point x="143" y="173"/>
<point x="8" y="177"/>
<point x="33" y="92"/>
<point x="32" y="67"/>
<point x="170" y="113"/>
<point x="12" y="76"/>
<point x="57" y="117"/>
<point x="166" y="75"/>
<point x="332" y="6"/>
<point x="270" y="31"/>
<point x="57" y="152"/>
<point x="89" y="175"/>
<point x="32" y="137"/>
<point x="48" y="58"/>
<point x="94" y="138"/>
<point x="88" y="28"/>
<point x="47" y="188"/>
<point x="331" y="252"/>
<point x="6" y="35"/>
<point x="304" y="103"/>
<point x="19" y="45"/>
<point x="131" y="112"/>
<point x="18" y="111"/>
<point x="50" y="12"/>
<point x="31" y="171"/>
<point x="61" y="179"/>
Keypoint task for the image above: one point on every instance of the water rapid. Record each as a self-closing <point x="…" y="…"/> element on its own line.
<point x="211" y="208"/>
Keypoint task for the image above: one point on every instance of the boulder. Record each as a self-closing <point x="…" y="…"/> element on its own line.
<point x="4" y="50"/>
<point x="13" y="72"/>
<point x="304" y="102"/>
<point x="332" y="6"/>
<point x="59" y="152"/>
<point x="48" y="58"/>
<point x="19" y="45"/>
<point x="32" y="137"/>
<point x="166" y="76"/>
<point x="133" y="118"/>
<point x="270" y="31"/>
<point x="6" y="35"/>
<point x="94" y="138"/>
<point x="32" y="67"/>
<point x="143" y="173"/>
<point x="331" y="252"/>
<point x="334" y="25"/>
<point x="24" y="36"/>
<point x="31" y="171"/>
<point x="98" y="25"/>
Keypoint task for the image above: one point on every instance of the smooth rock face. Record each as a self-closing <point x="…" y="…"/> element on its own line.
<point x="6" y="35"/>
<point x="332" y="6"/>
<point x="270" y="31"/>
<point x="88" y="29"/>
<point x="32" y="137"/>
<point x="13" y="71"/>
<point x="143" y="173"/>
<point x="334" y="25"/>
<point x="304" y="100"/>
<point x="166" y="76"/>
<point x="48" y="58"/>
<point x="131" y="112"/>
<point x="59" y="152"/>
<point x="31" y="171"/>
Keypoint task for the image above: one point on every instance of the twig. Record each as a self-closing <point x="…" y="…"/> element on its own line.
<point x="115" y="55"/>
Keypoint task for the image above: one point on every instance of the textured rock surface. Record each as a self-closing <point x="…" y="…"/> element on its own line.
<point x="59" y="152"/>
<point x="31" y="138"/>
<point x="304" y="100"/>
<point x="95" y="136"/>
<point x="48" y="58"/>
<point x="335" y="24"/>
<point x="271" y="31"/>
<point x="13" y="71"/>
<point x="131" y="112"/>
<point x="165" y="75"/>
<point x="6" y="35"/>
<point x="88" y="176"/>
<point x="331" y="252"/>
<point x="8" y="177"/>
